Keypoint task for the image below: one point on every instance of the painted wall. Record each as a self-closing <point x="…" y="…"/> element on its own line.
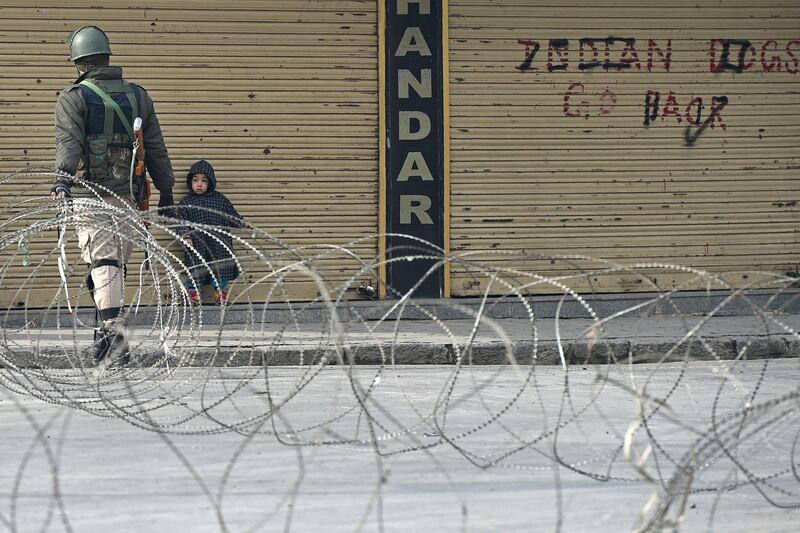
<point x="646" y="133"/>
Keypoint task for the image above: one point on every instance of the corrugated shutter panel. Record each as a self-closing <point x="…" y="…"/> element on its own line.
<point x="559" y="160"/>
<point x="280" y="96"/>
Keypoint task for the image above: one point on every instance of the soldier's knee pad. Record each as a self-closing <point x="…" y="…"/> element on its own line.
<point x="101" y="263"/>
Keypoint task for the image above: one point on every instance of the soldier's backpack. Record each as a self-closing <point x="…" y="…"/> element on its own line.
<point x="111" y="105"/>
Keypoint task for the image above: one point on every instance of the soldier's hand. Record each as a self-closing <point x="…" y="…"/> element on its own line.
<point x="62" y="188"/>
<point x="165" y="204"/>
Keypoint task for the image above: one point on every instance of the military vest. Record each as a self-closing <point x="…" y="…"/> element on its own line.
<point x="109" y="137"/>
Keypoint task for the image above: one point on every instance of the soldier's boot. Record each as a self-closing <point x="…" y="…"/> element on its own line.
<point x="110" y="344"/>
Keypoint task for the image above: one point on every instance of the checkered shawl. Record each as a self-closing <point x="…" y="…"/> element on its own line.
<point x="215" y="210"/>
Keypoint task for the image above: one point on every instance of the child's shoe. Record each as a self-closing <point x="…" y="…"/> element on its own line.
<point x="194" y="297"/>
<point x="221" y="297"/>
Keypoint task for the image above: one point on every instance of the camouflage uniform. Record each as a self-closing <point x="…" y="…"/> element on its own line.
<point x="83" y="150"/>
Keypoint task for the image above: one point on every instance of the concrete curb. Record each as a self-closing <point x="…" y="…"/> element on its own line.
<point x="489" y="353"/>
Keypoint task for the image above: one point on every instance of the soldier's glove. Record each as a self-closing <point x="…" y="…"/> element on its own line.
<point x="62" y="188"/>
<point x="166" y="205"/>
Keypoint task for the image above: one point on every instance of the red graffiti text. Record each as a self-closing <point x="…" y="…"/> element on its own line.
<point x="741" y="55"/>
<point x="579" y="104"/>
<point x="607" y="53"/>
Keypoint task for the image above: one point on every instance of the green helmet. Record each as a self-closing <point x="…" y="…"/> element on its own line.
<point x="87" y="41"/>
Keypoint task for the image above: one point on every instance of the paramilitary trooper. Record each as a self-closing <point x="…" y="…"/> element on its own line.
<point x="94" y="141"/>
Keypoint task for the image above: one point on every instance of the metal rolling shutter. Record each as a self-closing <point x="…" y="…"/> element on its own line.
<point x="280" y="96"/>
<point x="529" y="178"/>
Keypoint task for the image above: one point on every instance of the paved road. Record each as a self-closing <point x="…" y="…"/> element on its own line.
<point x="426" y="450"/>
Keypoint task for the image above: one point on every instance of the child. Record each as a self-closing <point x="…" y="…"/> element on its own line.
<point x="204" y="205"/>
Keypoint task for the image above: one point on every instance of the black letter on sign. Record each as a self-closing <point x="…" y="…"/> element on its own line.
<point x="588" y="65"/>
<point x="630" y="42"/>
<point x="530" y="53"/>
<point x="718" y="104"/>
<point x="557" y="45"/>
<point x="651" y="108"/>
<point x="724" y="62"/>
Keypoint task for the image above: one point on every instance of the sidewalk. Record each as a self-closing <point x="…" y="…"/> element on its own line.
<point x="495" y="341"/>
